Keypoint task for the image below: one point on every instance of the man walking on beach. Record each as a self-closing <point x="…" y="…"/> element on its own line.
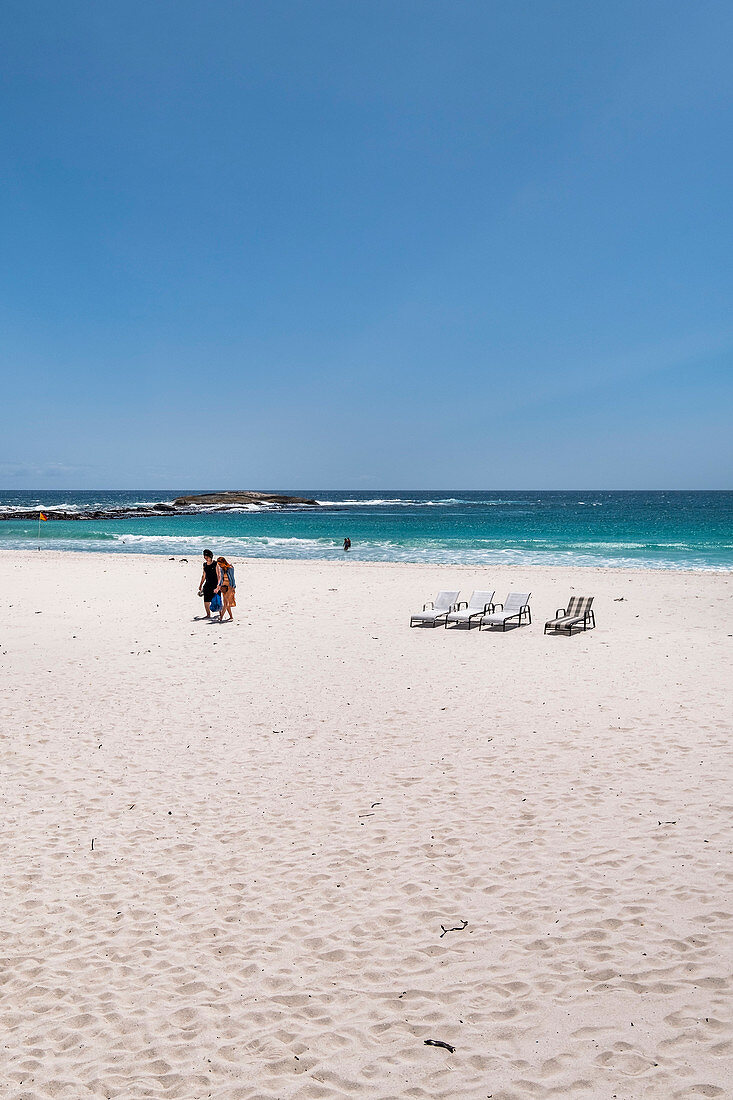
<point x="207" y="584"/>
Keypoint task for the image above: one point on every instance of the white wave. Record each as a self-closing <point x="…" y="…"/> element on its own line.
<point x="252" y="506"/>
<point x="435" y="551"/>
<point x="240" y="540"/>
<point x="40" y="507"/>
<point x="432" y="552"/>
<point x="396" y="502"/>
<point x="91" y="506"/>
<point x="412" y="502"/>
<point x="650" y="544"/>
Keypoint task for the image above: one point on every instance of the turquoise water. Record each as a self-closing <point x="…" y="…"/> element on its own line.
<point x="661" y="530"/>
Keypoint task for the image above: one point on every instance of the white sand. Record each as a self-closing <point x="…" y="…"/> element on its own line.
<point x="285" y="811"/>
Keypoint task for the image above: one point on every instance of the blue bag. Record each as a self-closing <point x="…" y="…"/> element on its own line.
<point x="215" y="604"/>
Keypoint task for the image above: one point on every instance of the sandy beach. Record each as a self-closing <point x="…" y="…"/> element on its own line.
<point x="272" y="858"/>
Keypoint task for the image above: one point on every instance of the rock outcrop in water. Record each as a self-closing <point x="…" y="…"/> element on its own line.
<point x="183" y="506"/>
<point x="93" y="513"/>
<point x="240" y="496"/>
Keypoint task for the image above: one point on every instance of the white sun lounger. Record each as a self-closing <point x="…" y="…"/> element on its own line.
<point x="516" y="606"/>
<point x="471" y="611"/>
<point x="434" y="611"/>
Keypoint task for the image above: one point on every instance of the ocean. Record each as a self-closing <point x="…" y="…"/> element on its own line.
<point x="650" y="530"/>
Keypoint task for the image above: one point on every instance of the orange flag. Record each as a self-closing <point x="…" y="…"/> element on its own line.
<point x="43" y="515"/>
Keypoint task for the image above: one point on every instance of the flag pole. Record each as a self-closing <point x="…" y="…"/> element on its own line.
<point x="39" y="530"/>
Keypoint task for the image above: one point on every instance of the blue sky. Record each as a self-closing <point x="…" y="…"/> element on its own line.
<point x="357" y="243"/>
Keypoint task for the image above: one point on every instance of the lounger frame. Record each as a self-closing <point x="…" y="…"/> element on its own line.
<point x="486" y="610"/>
<point x="523" y="613"/>
<point x="435" y="620"/>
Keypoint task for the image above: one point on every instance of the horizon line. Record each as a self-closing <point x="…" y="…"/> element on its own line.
<point x="353" y="489"/>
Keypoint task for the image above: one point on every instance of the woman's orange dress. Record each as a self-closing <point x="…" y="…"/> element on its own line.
<point x="227" y="595"/>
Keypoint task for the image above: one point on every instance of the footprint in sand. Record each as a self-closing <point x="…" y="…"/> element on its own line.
<point x="624" y="1060"/>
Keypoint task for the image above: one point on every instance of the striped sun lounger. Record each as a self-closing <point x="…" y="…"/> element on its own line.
<point x="577" y="613"/>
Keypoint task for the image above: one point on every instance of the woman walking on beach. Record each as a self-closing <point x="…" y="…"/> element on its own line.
<point x="227" y="586"/>
<point x="208" y="582"/>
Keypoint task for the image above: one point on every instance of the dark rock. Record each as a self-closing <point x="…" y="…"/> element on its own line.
<point x="97" y="513"/>
<point x="240" y="496"/>
<point x="180" y="506"/>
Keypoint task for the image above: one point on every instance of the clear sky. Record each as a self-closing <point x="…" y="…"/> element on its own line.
<point x="366" y="243"/>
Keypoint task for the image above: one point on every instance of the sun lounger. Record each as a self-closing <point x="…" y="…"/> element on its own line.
<point x="434" y="612"/>
<point x="577" y="613"/>
<point x="516" y="606"/>
<point x="471" y="611"/>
